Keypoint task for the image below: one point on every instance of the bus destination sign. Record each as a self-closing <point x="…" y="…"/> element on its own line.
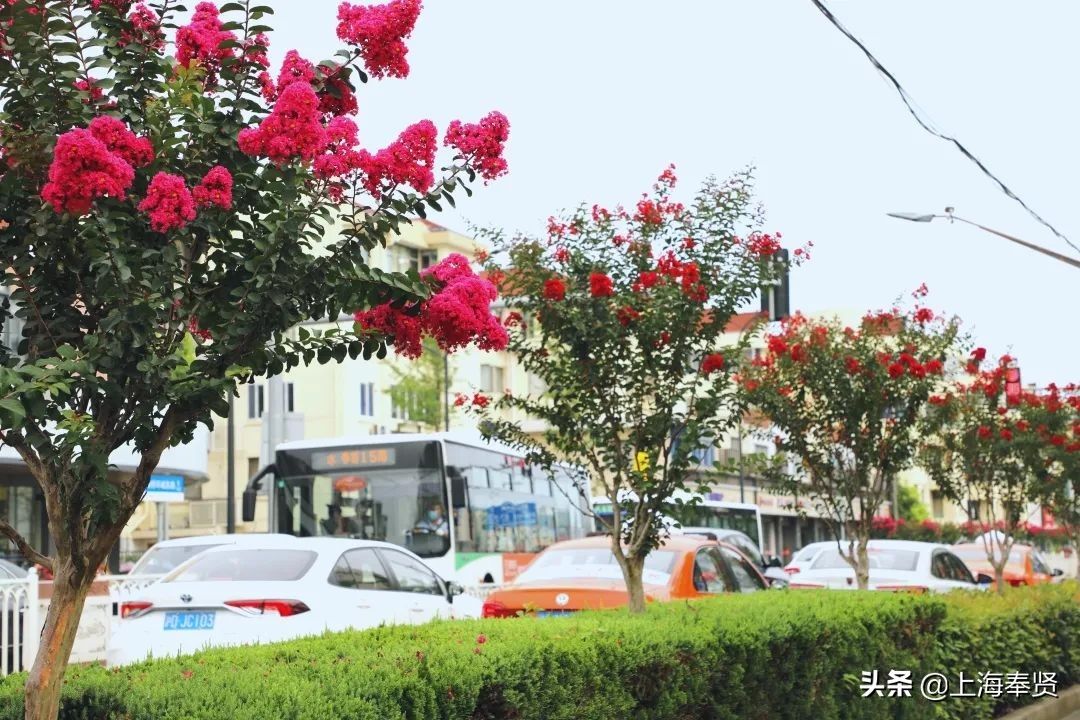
<point x="352" y="458"/>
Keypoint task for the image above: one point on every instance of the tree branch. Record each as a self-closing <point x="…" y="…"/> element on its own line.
<point x="24" y="547"/>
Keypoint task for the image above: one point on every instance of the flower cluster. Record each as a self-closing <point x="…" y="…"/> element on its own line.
<point x="763" y="244"/>
<point x="482" y="143"/>
<point x="457" y="313"/>
<point x="121" y="6"/>
<point x="93" y="92"/>
<point x="199" y="42"/>
<point x="99" y="161"/>
<point x="600" y="285"/>
<point x="215" y="189"/>
<point x="409" y="160"/>
<point x="292" y="131"/>
<point x="144" y="29"/>
<point x="168" y="202"/>
<point x="379" y="33"/>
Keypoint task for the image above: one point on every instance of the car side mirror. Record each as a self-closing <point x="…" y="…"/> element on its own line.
<point x="248" y="510"/>
<point x="983" y="579"/>
<point x="453" y="589"/>
<point x="774" y="562"/>
<point x="1058" y="572"/>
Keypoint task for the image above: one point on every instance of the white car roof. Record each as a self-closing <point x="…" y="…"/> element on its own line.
<point x="317" y="544"/>
<point x="225" y="539"/>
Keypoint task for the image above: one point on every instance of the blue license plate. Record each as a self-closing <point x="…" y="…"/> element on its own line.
<point x="189" y="621"/>
<point x="552" y="613"/>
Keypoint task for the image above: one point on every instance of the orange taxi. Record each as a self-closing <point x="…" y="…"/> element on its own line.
<point x="1025" y="566"/>
<point x="583" y="575"/>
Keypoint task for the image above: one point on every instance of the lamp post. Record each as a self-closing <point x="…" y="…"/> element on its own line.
<point x="951" y="217"/>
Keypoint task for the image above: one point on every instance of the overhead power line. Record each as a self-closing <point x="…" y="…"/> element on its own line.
<point x="911" y="106"/>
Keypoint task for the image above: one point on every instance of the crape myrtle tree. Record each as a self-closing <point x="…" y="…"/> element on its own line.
<point x="620" y="314"/>
<point x="1051" y="422"/>
<point x="974" y="448"/>
<point x="842" y="404"/>
<point x="163" y="206"/>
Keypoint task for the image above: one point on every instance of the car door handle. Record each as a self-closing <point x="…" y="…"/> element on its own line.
<point x="418" y="610"/>
<point x="364" y="607"/>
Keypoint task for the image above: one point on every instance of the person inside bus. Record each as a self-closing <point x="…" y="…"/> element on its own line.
<point x="337" y="524"/>
<point x="434" y="521"/>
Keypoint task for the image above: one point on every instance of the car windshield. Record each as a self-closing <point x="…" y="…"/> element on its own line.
<point x="248" y="565"/>
<point x="160" y="560"/>
<point x="807" y="553"/>
<point x="880" y="559"/>
<point x="595" y="563"/>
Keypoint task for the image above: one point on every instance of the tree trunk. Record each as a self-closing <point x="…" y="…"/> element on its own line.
<point x="862" y="563"/>
<point x="46" y="677"/>
<point x="999" y="577"/>
<point x="1074" y="537"/>
<point x="633" y="571"/>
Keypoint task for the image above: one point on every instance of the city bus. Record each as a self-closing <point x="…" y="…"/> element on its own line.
<point x="708" y="513"/>
<point x="474" y="510"/>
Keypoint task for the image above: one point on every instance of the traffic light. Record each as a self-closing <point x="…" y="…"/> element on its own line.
<point x="776" y="296"/>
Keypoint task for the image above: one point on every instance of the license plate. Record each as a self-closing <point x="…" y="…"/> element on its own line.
<point x="189" y="621"/>
<point x="552" y="613"/>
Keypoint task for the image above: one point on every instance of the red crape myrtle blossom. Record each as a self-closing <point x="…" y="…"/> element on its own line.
<point x="625" y="323"/>
<point x="482" y="143"/>
<point x="199" y="42"/>
<point x="168" y="203"/>
<point x="121" y="6"/>
<point x="379" y="33"/>
<point x="215" y="189"/>
<point x="977" y="446"/>
<point x="457" y="313"/>
<point x="84" y="169"/>
<point x="846" y="402"/>
<point x="336" y="96"/>
<point x="88" y="86"/>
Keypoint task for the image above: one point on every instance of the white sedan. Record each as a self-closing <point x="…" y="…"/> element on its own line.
<point x="805" y="557"/>
<point x="279" y="589"/>
<point x="895" y="565"/>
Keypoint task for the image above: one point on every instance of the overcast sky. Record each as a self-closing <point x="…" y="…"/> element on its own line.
<point x="601" y="95"/>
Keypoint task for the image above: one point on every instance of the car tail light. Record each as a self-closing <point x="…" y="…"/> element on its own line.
<point x="792" y="570"/>
<point x="495" y="609"/>
<point x="917" y="589"/>
<point x="134" y="609"/>
<point x="805" y="586"/>
<point x="282" y="608"/>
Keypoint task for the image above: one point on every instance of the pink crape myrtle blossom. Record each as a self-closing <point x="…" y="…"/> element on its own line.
<point x="379" y="33"/>
<point x="82" y="170"/>
<point x="145" y="29"/>
<point x="458" y="313"/>
<point x="215" y="189"/>
<point x="292" y="130"/>
<point x="482" y="143"/>
<point x="134" y="149"/>
<point x="168" y="202"/>
<point x="199" y="42"/>
<point x="406" y="161"/>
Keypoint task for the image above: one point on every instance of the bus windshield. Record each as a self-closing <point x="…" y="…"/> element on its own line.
<point x="395" y="493"/>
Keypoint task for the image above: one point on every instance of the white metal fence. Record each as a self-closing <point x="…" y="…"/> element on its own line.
<point x="20" y="623"/>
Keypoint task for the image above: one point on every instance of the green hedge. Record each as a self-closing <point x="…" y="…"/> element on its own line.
<point x="795" y="654"/>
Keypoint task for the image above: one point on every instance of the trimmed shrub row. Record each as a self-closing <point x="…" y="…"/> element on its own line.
<point x="794" y="654"/>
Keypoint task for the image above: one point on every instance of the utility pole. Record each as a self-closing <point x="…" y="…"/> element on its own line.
<point x="230" y="468"/>
<point x="446" y="388"/>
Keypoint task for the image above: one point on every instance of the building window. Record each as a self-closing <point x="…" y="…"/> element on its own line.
<point x="290" y="398"/>
<point x="404" y="258"/>
<point x="253" y="467"/>
<point x="256" y="401"/>
<point x="937" y="504"/>
<point x="367" y="399"/>
<point x="491" y="379"/>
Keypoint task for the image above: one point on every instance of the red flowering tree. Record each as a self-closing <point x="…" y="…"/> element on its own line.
<point x="843" y="404"/>
<point x="620" y="314"/>
<point x="1052" y="423"/>
<point x="163" y="206"/>
<point x="974" y="448"/>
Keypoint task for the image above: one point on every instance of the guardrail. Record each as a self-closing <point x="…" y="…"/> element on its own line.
<point x="20" y="623"/>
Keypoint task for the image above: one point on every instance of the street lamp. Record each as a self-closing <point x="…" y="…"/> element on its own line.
<point x="916" y="217"/>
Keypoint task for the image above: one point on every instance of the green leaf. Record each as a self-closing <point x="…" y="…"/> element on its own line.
<point x="14" y="412"/>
